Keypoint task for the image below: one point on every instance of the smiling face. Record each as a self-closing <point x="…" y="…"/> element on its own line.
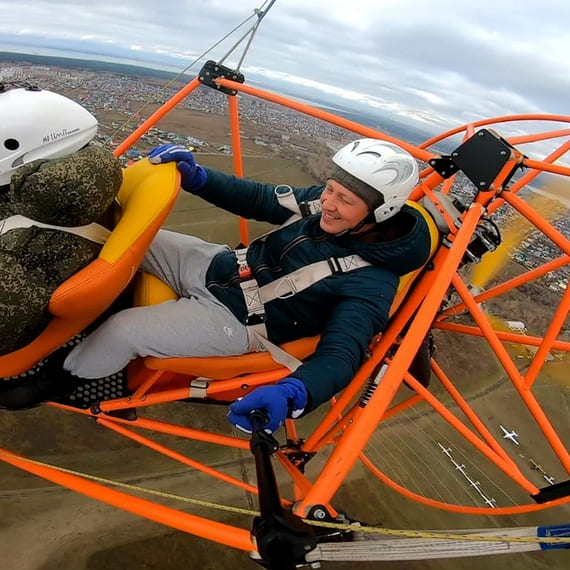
<point x="342" y="209"/>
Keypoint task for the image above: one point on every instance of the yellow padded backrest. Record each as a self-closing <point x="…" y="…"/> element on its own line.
<point x="408" y="279"/>
<point x="146" y="196"/>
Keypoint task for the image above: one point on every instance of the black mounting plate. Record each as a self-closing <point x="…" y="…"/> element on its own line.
<point x="481" y="158"/>
<point x="552" y="492"/>
<point x="211" y="71"/>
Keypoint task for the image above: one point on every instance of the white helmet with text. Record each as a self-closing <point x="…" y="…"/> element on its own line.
<point x="35" y="124"/>
<point x="381" y="173"/>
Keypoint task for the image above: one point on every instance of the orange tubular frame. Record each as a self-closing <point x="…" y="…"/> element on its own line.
<point x="348" y="426"/>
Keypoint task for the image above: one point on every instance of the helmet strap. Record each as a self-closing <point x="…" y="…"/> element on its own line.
<point x="368" y="219"/>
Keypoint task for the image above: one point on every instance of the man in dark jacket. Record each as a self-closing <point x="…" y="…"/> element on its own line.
<point x="332" y="268"/>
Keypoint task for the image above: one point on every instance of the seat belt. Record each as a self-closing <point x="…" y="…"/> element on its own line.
<point x="286" y="198"/>
<point x="256" y="317"/>
<point x="285" y="287"/>
<point x="255" y="297"/>
<point x="93" y="232"/>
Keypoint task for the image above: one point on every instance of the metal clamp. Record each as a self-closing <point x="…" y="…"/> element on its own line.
<point x="211" y="71"/>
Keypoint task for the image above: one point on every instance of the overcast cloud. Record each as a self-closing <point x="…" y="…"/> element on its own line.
<point x="442" y="62"/>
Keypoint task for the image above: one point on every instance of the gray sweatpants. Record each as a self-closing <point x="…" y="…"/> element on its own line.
<point x="197" y="324"/>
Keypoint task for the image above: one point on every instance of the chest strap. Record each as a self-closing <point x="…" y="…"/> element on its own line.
<point x="302" y="278"/>
<point x="93" y="232"/>
<point x="285" y="287"/>
<point x="287" y="199"/>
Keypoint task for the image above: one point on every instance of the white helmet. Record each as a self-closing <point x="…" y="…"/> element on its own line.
<point x="381" y="173"/>
<point x="40" y="124"/>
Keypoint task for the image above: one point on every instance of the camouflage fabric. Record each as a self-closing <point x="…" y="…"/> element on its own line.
<point x="6" y="209"/>
<point x="33" y="263"/>
<point x="70" y="191"/>
<point x="75" y="190"/>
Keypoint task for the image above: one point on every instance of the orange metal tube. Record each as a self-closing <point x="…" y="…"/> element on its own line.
<point x="488" y="331"/>
<point x="458" y="508"/>
<point x="357" y="435"/>
<point x="515" y="376"/>
<point x="236" y="153"/>
<point x="504" y="464"/>
<point x="177" y="456"/>
<point x="324" y="116"/>
<point x="402" y="406"/>
<point x="147" y="384"/>
<point x="431" y="182"/>
<point x="198" y="526"/>
<point x="524" y="139"/>
<point x="156" y="116"/>
<point x="511" y="284"/>
<point x="298" y="478"/>
<point x="180" y="431"/>
<point x="469" y="413"/>
<point x="250" y="380"/>
<point x="216" y="387"/>
<point x="291" y="430"/>
<point x="552" y="332"/>
<point x="530" y="176"/>
<point x="537" y="220"/>
<point x="492" y="121"/>
<point x="145" y="400"/>
<point x="332" y="434"/>
<point x="504" y="336"/>
<point x="546" y="166"/>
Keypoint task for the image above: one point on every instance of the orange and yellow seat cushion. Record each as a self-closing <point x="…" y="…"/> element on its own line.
<point x="146" y="196"/>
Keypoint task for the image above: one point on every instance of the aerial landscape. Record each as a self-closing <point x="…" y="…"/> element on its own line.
<point x="45" y="526"/>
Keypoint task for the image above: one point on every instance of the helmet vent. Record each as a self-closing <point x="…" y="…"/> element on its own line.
<point x="11" y="144"/>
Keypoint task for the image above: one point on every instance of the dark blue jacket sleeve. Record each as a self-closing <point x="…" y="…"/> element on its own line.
<point x="249" y="199"/>
<point x="343" y="345"/>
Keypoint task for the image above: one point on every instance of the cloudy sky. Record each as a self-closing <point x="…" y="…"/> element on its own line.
<point x="440" y="62"/>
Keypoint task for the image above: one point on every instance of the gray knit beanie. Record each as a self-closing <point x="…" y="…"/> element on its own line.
<point x="373" y="198"/>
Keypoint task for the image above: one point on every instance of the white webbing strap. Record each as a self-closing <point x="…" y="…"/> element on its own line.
<point x="286" y="198"/>
<point x="313" y="207"/>
<point x="287" y="286"/>
<point x="304" y="277"/>
<point x="258" y="341"/>
<point x="255" y="297"/>
<point x="253" y="302"/>
<point x="93" y="232"/>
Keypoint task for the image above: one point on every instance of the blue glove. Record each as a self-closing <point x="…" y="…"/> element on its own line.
<point x="193" y="175"/>
<point x="287" y="398"/>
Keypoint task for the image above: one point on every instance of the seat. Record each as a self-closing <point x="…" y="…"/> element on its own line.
<point x="146" y="196"/>
<point x="150" y="290"/>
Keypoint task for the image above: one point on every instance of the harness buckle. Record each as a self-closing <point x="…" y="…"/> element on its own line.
<point x="305" y="209"/>
<point x="334" y="265"/>
<point x="244" y="271"/>
<point x="255" y="319"/>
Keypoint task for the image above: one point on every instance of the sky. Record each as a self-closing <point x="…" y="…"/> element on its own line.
<point x="438" y="63"/>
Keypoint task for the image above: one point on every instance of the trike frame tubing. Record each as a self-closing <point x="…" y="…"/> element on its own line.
<point x="364" y="420"/>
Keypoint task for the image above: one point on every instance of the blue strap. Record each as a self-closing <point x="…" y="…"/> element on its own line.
<point x="555" y="531"/>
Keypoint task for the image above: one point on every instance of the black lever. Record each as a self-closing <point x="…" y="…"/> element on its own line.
<point x="282" y="538"/>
